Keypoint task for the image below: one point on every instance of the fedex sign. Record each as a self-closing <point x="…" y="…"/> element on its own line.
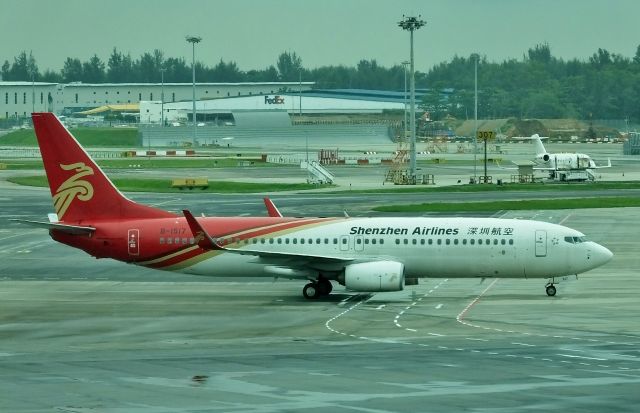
<point x="276" y="100"/>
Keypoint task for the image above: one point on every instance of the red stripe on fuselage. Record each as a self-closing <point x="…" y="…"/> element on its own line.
<point x="235" y="229"/>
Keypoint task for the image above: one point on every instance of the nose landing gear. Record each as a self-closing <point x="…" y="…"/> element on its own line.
<point x="551" y="290"/>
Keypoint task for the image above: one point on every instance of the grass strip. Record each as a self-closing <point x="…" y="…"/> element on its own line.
<point x="164" y="185"/>
<point x="562" y="203"/>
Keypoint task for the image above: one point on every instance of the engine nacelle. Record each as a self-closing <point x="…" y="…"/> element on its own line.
<point x="374" y="276"/>
<point x="545" y="157"/>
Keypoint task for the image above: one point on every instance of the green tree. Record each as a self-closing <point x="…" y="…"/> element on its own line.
<point x="119" y="67"/>
<point x="289" y="66"/>
<point x="72" y="70"/>
<point x="93" y="70"/>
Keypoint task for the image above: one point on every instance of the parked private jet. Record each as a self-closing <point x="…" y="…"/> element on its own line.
<point x="559" y="164"/>
<point x="363" y="254"/>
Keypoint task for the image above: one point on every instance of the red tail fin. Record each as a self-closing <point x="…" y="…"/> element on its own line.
<point x="81" y="191"/>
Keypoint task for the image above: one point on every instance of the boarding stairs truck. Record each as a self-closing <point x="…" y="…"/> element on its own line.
<point x="317" y="173"/>
<point x="573" y="175"/>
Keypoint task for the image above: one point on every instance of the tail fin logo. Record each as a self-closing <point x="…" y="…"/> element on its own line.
<point x="73" y="188"/>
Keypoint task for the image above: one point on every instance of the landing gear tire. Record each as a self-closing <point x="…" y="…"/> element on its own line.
<point x="311" y="291"/>
<point x="324" y="287"/>
<point x="551" y="290"/>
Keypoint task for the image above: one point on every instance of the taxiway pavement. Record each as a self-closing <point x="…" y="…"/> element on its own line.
<point x="84" y="335"/>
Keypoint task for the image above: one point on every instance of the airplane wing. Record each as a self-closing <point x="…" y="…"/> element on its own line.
<point x="608" y="165"/>
<point x="271" y="208"/>
<point x="205" y="241"/>
<point x="69" y="229"/>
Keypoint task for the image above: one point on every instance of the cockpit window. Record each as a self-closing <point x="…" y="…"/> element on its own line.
<point x="575" y="240"/>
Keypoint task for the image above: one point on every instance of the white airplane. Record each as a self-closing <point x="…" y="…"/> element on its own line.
<point x="363" y="254"/>
<point x="561" y="160"/>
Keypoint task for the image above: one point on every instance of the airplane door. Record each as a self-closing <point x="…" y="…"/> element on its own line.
<point x="541" y="243"/>
<point x="359" y="243"/>
<point x="344" y="243"/>
<point x="133" y="241"/>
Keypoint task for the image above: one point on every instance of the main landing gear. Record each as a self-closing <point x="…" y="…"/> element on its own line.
<point x="316" y="289"/>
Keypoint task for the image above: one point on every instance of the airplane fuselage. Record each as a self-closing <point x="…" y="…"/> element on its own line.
<point x="566" y="161"/>
<point x="427" y="247"/>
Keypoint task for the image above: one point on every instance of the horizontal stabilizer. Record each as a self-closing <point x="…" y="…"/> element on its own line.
<point x="69" y="229"/>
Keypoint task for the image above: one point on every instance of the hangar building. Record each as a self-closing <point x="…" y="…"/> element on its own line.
<point x="19" y="99"/>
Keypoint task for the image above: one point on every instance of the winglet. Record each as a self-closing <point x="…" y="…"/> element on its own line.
<point x="271" y="208"/>
<point x="203" y="239"/>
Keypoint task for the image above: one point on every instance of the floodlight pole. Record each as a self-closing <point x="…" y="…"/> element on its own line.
<point x="33" y="93"/>
<point x="193" y="40"/>
<point x="162" y="98"/>
<point x="412" y="24"/>
<point x="475" y="123"/>
<point x="404" y="126"/>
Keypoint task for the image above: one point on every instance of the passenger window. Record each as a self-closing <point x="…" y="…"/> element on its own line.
<point x="495" y="241"/>
<point x="430" y="241"/>
<point x="479" y="242"/>
<point x="422" y="241"/>
<point x="335" y="241"/>
<point x="184" y="241"/>
<point x="310" y="241"/>
<point x="414" y="241"/>
<point x="447" y="241"/>
<point x="301" y="240"/>
<point x="511" y="242"/>
<point x="270" y="240"/>
<point x="358" y="241"/>
<point x="381" y="241"/>
<point x="397" y="241"/>
<point x="464" y="241"/>
<point x="169" y="241"/>
<point x="455" y="241"/>
<point x="279" y="240"/>
<point x="373" y="241"/>
<point x="176" y="240"/>
<point x="161" y="240"/>
<point x="488" y="241"/>
<point x="286" y="240"/>
<point x="472" y="241"/>
<point x="192" y="241"/>
<point x="366" y="241"/>
<point x="406" y="241"/>
<point x="439" y="241"/>
<point x="326" y="240"/>
<point x="295" y="240"/>
<point x="262" y="241"/>
<point x="344" y="240"/>
<point x="502" y="241"/>
<point x="318" y="241"/>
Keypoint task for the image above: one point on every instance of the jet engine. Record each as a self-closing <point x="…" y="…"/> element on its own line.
<point x="544" y="157"/>
<point x="375" y="276"/>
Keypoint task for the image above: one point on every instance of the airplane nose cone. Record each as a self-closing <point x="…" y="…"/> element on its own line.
<point x="601" y="255"/>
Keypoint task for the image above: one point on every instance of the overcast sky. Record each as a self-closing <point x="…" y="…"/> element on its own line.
<point x="322" y="32"/>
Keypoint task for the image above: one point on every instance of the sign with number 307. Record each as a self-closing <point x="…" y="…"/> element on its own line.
<point x="484" y="135"/>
